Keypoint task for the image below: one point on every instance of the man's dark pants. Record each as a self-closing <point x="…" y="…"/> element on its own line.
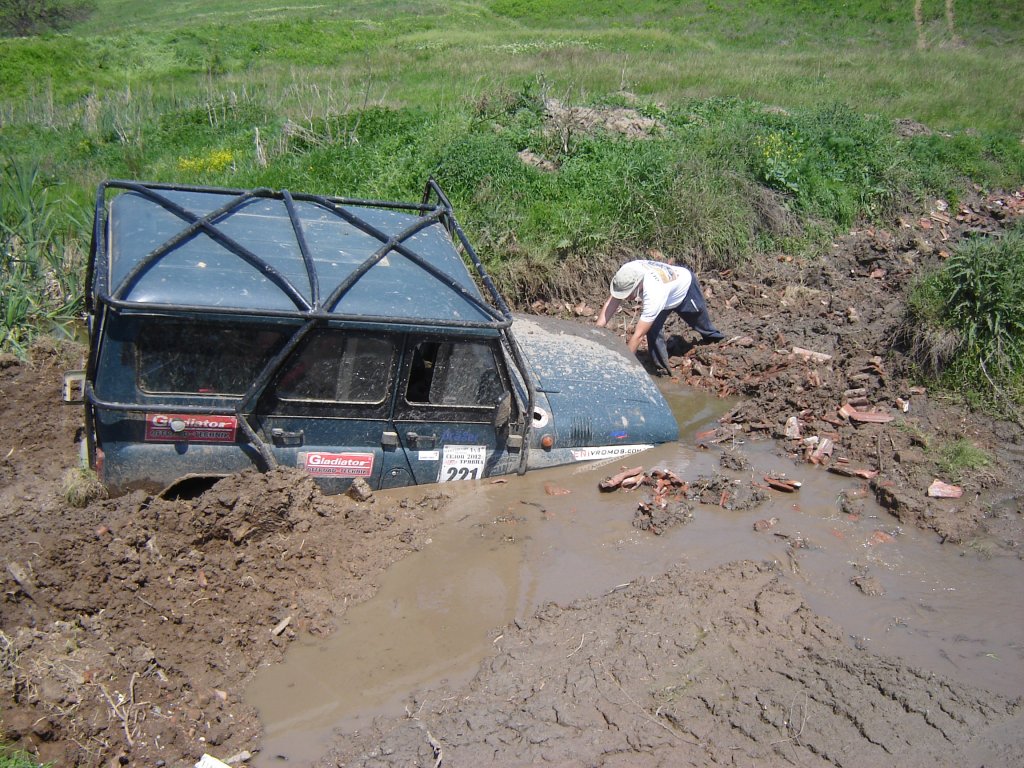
<point x="694" y="310"/>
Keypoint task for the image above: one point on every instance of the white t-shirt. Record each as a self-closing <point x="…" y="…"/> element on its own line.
<point x="664" y="287"/>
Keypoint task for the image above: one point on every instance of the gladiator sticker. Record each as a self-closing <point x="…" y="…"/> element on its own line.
<point x="192" y="428"/>
<point x="321" y="464"/>
<point x="606" y="451"/>
<point x="462" y="462"/>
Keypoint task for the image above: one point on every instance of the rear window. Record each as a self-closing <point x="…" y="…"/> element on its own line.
<point x="339" y="367"/>
<point x="201" y="358"/>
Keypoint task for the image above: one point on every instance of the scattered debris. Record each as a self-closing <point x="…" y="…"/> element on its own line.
<point x="764" y="525"/>
<point x="845" y="471"/>
<point x="627" y="478"/>
<point x="848" y="411"/>
<point x="941" y="490"/>
<point x="879" y="537"/>
<point x="281" y="626"/>
<point x="782" y="484"/>
<point x="795" y="541"/>
<point x="819" y="450"/>
<point x="733" y="460"/>
<point x="807" y="354"/>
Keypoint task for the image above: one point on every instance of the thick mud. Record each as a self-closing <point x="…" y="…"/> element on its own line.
<point x="131" y="627"/>
<point x="725" y="667"/>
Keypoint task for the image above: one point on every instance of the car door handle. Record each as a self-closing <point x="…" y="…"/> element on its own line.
<point x="420" y="442"/>
<point x="287" y="439"/>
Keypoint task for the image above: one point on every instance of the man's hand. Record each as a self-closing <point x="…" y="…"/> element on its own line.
<point x="642" y="327"/>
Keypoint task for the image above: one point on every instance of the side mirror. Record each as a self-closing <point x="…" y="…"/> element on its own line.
<point x="502" y="411"/>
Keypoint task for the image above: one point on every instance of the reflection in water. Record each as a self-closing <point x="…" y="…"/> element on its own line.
<point x="510" y="548"/>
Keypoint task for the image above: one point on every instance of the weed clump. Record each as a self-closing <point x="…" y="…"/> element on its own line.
<point x="961" y="458"/>
<point x="966" y="327"/>
<point x="80" y="486"/>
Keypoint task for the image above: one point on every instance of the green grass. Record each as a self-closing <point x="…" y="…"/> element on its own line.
<point x="960" y="459"/>
<point x="774" y="120"/>
<point x="967" y="325"/>
<point x="794" y="54"/>
<point x="16" y="759"/>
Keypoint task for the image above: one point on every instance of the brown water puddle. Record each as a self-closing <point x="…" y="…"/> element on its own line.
<point x="508" y="548"/>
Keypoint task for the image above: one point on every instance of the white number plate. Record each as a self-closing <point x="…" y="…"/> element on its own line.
<point x="462" y="462"/>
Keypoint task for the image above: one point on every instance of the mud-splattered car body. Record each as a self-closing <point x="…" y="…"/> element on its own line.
<point x="237" y="328"/>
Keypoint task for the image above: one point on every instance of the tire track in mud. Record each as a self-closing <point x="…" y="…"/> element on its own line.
<point x="721" y="668"/>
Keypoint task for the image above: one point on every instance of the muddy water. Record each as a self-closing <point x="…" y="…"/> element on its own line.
<point x="507" y="548"/>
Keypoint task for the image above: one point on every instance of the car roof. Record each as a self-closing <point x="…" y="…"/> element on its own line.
<point x="179" y="249"/>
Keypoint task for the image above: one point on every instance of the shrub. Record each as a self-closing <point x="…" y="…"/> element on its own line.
<point x="974" y="305"/>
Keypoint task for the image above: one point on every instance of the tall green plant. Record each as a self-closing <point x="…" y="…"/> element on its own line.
<point x="973" y="309"/>
<point x="40" y="259"/>
<point x="987" y="301"/>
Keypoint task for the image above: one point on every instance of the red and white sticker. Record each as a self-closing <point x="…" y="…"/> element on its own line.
<point x="190" y="427"/>
<point x="322" y="464"/>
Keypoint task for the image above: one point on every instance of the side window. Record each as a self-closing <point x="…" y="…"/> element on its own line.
<point x="340" y="367"/>
<point x="454" y="373"/>
<point x="202" y="358"/>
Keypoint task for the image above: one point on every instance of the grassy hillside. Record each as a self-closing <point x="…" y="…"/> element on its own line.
<point x="770" y="124"/>
<point x="139" y="84"/>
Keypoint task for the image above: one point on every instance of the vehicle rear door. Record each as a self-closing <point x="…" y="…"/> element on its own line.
<point x="327" y="411"/>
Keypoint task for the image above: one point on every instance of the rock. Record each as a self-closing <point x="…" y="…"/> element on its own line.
<point x="792" y="430"/>
<point x="869" y="585"/>
<point x="360" y="490"/>
<point x="941" y="490"/>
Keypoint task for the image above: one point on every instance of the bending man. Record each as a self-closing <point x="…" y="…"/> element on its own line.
<point x="664" y="289"/>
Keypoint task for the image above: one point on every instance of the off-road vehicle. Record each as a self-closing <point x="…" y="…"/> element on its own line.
<point x="349" y="338"/>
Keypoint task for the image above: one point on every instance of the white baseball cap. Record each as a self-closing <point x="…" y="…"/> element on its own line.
<point x="626" y="279"/>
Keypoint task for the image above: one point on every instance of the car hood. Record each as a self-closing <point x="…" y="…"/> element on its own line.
<point x="598" y="392"/>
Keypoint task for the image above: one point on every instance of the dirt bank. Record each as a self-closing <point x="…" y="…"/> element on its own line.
<point x="131" y="626"/>
<point x="815" y="354"/>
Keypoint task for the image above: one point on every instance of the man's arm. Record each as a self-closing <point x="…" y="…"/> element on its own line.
<point x="642" y="327"/>
<point x="610" y="308"/>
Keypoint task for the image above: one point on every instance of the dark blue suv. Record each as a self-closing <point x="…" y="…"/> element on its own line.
<point x="232" y="329"/>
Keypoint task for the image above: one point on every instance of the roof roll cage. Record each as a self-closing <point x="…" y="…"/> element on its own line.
<point x="434" y="208"/>
<point x="98" y="290"/>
